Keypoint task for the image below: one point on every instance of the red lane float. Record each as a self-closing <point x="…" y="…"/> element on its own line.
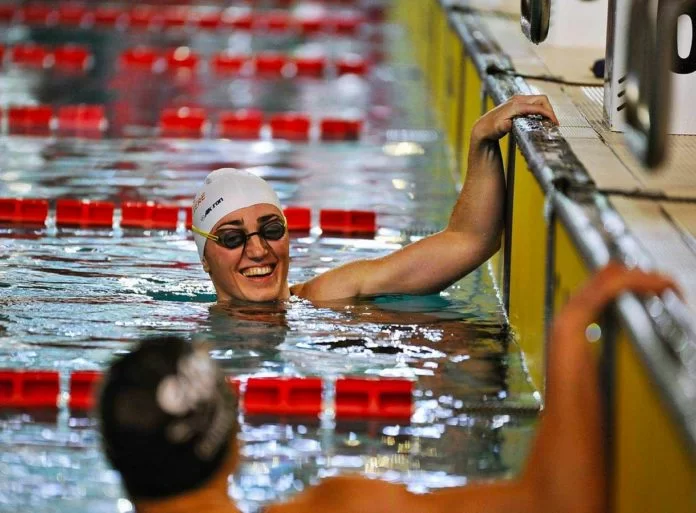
<point x="72" y="14"/>
<point x="176" y="16"/>
<point x="182" y="58"/>
<point x="229" y="63"/>
<point x="237" y="20"/>
<point x="144" y="16"/>
<point x="270" y="63"/>
<point x="82" y="119"/>
<point x="182" y="122"/>
<point x="366" y="398"/>
<point x="351" y="64"/>
<point x="338" y="129"/>
<point x="272" y="21"/>
<point x="38" y="14"/>
<point x="83" y="386"/>
<point x="72" y="58"/>
<point x="291" y="126"/>
<point x="7" y="13"/>
<point x="240" y="124"/>
<point x="29" y="389"/>
<point x="74" y="212"/>
<point x="374" y="398"/>
<point x="189" y="217"/>
<point x="108" y="16"/>
<point x="139" y="57"/>
<point x="30" y="55"/>
<point x="141" y="214"/>
<point x="283" y="396"/>
<point x="348" y="221"/>
<point x="23" y="211"/>
<point x="35" y="119"/>
<point x="310" y="66"/>
<point x="298" y="218"/>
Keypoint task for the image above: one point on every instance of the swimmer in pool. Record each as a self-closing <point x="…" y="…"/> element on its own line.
<point x="169" y="426"/>
<point x="242" y="240"/>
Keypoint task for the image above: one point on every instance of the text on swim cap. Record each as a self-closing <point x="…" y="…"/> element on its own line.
<point x="211" y="208"/>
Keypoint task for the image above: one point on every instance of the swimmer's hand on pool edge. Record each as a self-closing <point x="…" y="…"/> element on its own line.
<point x="471" y="237"/>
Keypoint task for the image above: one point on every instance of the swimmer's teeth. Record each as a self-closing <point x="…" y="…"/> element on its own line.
<point x="257" y="271"/>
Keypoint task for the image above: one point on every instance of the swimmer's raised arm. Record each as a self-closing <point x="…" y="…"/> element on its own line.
<point x="472" y="235"/>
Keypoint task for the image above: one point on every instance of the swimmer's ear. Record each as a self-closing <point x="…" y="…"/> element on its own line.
<point x="206" y="267"/>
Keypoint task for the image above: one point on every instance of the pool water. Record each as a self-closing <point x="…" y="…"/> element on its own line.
<point x="71" y="299"/>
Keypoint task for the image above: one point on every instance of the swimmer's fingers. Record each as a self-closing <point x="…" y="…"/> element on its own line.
<point x="604" y="287"/>
<point x="497" y="122"/>
<point x="534" y="104"/>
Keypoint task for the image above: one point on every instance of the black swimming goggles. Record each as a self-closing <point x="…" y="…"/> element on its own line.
<point x="232" y="238"/>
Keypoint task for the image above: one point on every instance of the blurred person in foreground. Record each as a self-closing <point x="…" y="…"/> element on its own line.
<point x="169" y="425"/>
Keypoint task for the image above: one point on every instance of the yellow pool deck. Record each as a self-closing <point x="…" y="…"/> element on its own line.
<point x="578" y="199"/>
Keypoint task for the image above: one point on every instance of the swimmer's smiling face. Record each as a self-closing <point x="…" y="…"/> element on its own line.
<point x="255" y="272"/>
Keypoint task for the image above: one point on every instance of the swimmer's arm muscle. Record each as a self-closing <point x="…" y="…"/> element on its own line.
<point x="472" y="235"/>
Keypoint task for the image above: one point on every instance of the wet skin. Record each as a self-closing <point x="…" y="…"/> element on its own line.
<point x="255" y="272"/>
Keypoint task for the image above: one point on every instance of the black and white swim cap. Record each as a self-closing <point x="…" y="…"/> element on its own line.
<point x="167" y="417"/>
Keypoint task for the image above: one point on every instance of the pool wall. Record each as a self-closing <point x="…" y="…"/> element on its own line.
<point x="557" y="233"/>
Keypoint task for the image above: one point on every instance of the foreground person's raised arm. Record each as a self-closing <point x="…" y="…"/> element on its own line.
<point x="472" y="234"/>
<point x="565" y="472"/>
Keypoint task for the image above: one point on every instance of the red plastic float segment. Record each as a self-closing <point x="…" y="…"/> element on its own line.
<point x="311" y="25"/>
<point x="283" y="396"/>
<point x="228" y="63"/>
<point x="141" y="214"/>
<point x="270" y="63"/>
<point x="298" y="218"/>
<point x="72" y="13"/>
<point x="108" y="16"/>
<point x="74" y="212"/>
<point x="72" y="58"/>
<point x="337" y="129"/>
<point x="345" y="24"/>
<point x="348" y="221"/>
<point x="189" y="217"/>
<point x="182" y="58"/>
<point x="143" y="16"/>
<point x="38" y="14"/>
<point x="7" y="12"/>
<point x="240" y="124"/>
<point x="2" y="54"/>
<point x="353" y="64"/>
<point x="139" y="57"/>
<point x="272" y="21"/>
<point x="82" y="118"/>
<point x="237" y="20"/>
<point x="182" y="122"/>
<point x="30" y="54"/>
<point x="23" y="211"/>
<point x="176" y="16"/>
<point x="35" y="119"/>
<point x="29" y="389"/>
<point x="310" y="66"/>
<point x="83" y="388"/>
<point x="207" y="20"/>
<point x="374" y="398"/>
<point x="290" y="126"/>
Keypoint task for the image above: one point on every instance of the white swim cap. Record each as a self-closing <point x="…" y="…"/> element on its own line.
<point x="224" y="191"/>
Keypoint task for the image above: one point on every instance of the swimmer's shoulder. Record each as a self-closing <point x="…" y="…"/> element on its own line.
<point x="350" y="494"/>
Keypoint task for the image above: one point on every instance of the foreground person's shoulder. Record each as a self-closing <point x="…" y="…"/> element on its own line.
<point x="348" y="494"/>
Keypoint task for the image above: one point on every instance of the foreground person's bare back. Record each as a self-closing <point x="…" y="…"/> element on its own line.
<point x="566" y="468"/>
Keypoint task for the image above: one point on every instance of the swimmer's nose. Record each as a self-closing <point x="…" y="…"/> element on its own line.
<point x="256" y="247"/>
